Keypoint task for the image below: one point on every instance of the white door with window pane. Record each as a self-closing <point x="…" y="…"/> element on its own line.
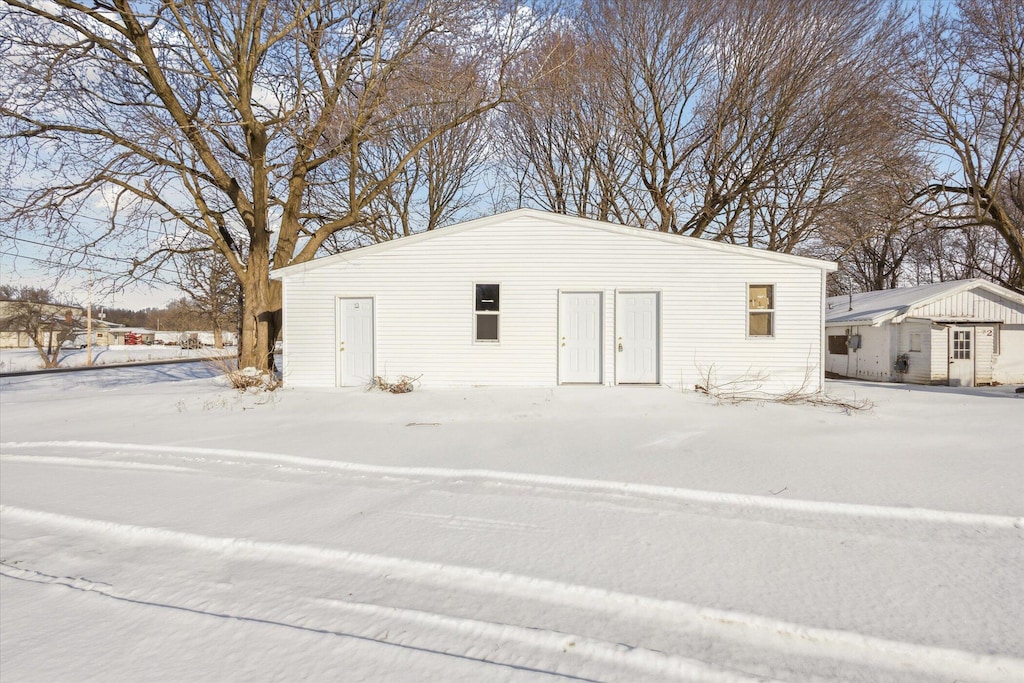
<point x="355" y="342"/>
<point x="579" y="342"/>
<point x="961" y="356"/>
<point x="636" y="338"/>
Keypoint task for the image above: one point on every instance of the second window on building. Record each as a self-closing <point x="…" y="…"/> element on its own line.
<point x="487" y="310"/>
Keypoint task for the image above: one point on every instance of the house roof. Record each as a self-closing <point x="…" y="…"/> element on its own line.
<point x="561" y="219"/>
<point x="874" y="308"/>
<point x="43" y="307"/>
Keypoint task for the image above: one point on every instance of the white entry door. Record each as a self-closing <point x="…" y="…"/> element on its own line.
<point x="961" y="356"/>
<point x="636" y="338"/>
<point x="355" y="342"/>
<point x="579" y="343"/>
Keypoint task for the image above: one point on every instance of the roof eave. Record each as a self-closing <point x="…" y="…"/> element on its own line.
<point x="315" y="264"/>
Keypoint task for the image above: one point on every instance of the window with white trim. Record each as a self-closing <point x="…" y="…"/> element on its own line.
<point x="760" y="310"/>
<point x="915" y="341"/>
<point x="487" y="307"/>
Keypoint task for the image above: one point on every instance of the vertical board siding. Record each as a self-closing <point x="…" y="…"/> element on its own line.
<point x="873" y="360"/>
<point x="424" y="299"/>
<point x="839" y="364"/>
<point x="975" y="304"/>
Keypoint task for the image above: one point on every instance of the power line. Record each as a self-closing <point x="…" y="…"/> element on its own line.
<point x="69" y="249"/>
<point x="57" y="264"/>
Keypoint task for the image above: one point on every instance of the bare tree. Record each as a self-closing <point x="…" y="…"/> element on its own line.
<point x="875" y="233"/>
<point x="797" y="122"/>
<point x="965" y="74"/>
<point x="658" y="64"/>
<point x="249" y="125"/>
<point x="437" y="184"/>
<point x="212" y="289"/>
<point x="562" y="145"/>
<point x="47" y="323"/>
<point x="754" y="123"/>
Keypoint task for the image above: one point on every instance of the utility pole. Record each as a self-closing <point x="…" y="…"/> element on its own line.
<point x="88" y="324"/>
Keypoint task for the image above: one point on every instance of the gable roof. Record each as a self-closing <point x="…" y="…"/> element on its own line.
<point x="874" y="308"/>
<point x="558" y="218"/>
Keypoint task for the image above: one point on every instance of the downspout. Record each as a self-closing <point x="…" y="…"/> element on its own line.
<point x="850" y="331"/>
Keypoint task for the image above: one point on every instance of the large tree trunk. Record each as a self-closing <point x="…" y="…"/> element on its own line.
<point x="261" y="323"/>
<point x="261" y="311"/>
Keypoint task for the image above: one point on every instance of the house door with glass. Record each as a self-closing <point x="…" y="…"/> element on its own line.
<point x="961" y="356"/>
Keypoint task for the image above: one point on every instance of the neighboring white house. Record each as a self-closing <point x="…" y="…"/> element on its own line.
<point x="960" y="333"/>
<point x="49" y="320"/>
<point x="529" y="298"/>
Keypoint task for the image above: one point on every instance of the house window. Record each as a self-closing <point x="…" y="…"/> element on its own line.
<point x="487" y="308"/>
<point x="837" y="345"/>
<point x="961" y="344"/>
<point x="761" y="310"/>
<point x="915" y="341"/>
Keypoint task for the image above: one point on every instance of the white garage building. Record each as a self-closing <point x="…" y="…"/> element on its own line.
<point x="529" y="298"/>
<point x="960" y="333"/>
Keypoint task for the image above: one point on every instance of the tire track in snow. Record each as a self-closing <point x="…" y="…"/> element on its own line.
<point x="566" y="484"/>
<point x="737" y="626"/>
<point x="101" y="464"/>
<point x="393" y="620"/>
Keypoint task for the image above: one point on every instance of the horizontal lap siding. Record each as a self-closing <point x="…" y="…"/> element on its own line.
<point x="424" y="307"/>
<point x="984" y="348"/>
<point x="940" y="353"/>
<point x="919" y="362"/>
<point x="1009" y="363"/>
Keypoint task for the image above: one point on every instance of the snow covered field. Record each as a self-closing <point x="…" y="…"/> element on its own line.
<point x="158" y="526"/>
<point x="19" y="360"/>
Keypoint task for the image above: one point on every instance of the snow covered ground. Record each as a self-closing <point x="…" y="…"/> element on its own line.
<point x="156" y="525"/>
<point x="19" y="360"/>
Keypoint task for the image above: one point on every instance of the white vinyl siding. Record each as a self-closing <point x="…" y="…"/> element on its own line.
<point x="425" y="321"/>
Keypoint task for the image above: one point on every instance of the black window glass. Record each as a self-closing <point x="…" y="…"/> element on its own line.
<point x="487" y="297"/>
<point x="487" y="328"/>
<point x="837" y="345"/>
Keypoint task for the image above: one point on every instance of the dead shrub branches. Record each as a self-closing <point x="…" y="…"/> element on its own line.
<point x="245" y="379"/>
<point x="748" y="387"/>
<point x="402" y="385"/>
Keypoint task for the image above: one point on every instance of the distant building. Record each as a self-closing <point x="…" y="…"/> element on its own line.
<point x="48" y="319"/>
<point x="960" y="333"/>
<point x="130" y="336"/>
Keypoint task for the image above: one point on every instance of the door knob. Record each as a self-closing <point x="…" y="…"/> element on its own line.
<point x="620" y="346"/>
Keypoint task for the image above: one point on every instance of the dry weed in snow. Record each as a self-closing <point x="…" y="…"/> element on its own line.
<point x="747" y="388"/>
<point x="402" y="385"/>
